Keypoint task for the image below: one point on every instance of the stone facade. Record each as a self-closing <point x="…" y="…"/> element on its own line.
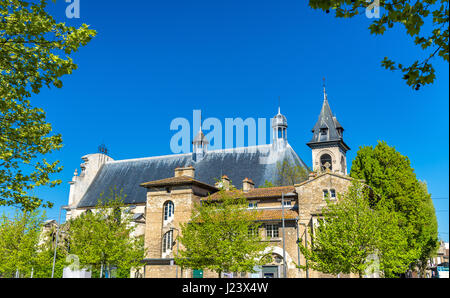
<point x="338" y="158"/>
<point x="171" y="199"/>
<point x="311" y="201"/>
<point x="306" y="202"/>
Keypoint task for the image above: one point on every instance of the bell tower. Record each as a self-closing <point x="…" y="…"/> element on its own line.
<point x="200" y="145"/>
<point x="327" y="144"/>
<point x="279" y="131"/>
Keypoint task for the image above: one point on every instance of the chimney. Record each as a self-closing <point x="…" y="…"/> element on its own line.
<point x="247" y="185"/>
<point x="226" y="182"/>
<point x="188" y="171"/>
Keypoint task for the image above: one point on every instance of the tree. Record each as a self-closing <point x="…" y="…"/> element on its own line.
<point x="267" y="184"/>
<point x="290" y="174"/>
<point x="34" y="51"/>
<point x="222" y="236"/>
<point x="391" y="176"/>
<point x="103" y="238"/>
<point x="428" y="234"/>
<point x="19" y="243"/>
<point x="425" y="21"/>
<point x="351" y="234"/>
<point x="46" y="250"/>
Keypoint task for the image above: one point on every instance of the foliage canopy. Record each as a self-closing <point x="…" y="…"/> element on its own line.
<point x="34" y="52"/>
<point x="426" y="22"/>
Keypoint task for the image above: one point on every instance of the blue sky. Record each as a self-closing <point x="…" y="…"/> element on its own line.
<point x="154" y="61"/>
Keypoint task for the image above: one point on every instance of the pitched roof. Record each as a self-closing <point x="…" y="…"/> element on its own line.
<point x="270" y="214"/>
<point x="276" y="214"/>
<point x="327" y="173"/>
<point x="264" y="192"/>
<point x="172" y="181"/>
<point x="200" y="138"/>
<point x="258" y="163"/>
<point x="327" y="121"/>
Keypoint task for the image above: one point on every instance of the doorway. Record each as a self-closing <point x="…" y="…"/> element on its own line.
<point x="270" y="271"/>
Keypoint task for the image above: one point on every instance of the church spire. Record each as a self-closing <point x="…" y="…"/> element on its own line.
<point x="327" y="143"/>
<point x="279" y="105"/>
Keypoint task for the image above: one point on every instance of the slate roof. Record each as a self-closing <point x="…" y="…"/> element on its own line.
<point x="257" y="163"/>
<point x="327" y="121"/>
<point x="279" y="120"/>
<point x="200" y="138"/>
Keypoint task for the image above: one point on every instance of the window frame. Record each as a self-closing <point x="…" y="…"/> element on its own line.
<point x="168" y="211"/>
<point x="167" y="241"/>
<point x="273" y="231"/>
<point x="332" y="194"/>
<point x="252" y="231"/>
<point x="287" y="203"/>
<point x="252" y="204"/>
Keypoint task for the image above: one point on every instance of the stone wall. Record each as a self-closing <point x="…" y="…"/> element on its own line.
<point x="311" y="201"/>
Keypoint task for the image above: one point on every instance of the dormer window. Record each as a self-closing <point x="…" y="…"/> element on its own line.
<point x="287" y="203"/>
<point x="323" y="133"/>
<point x="253" y="205"/>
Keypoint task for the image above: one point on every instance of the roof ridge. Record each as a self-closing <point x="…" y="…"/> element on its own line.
<point x="185" y="154"/>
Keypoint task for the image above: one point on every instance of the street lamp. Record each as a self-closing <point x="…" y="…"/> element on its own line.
<point x="282" y="220"/>
<point x="178" y="246"/>
<point x="298" y="241"/>
<point x="306" y="245"/>
<point x="57" y="234"/>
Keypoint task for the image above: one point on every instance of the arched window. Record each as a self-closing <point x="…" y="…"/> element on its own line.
<point x="168" y="211"/>
<point x="324" y="159"/>
<point x="167" y="242"/>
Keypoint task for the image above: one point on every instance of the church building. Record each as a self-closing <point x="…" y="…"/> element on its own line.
<point x="161" y="192"/>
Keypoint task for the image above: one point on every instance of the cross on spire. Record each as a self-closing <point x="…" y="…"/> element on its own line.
<point x="324" y="91"/>
<point x="200" y="128"/>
